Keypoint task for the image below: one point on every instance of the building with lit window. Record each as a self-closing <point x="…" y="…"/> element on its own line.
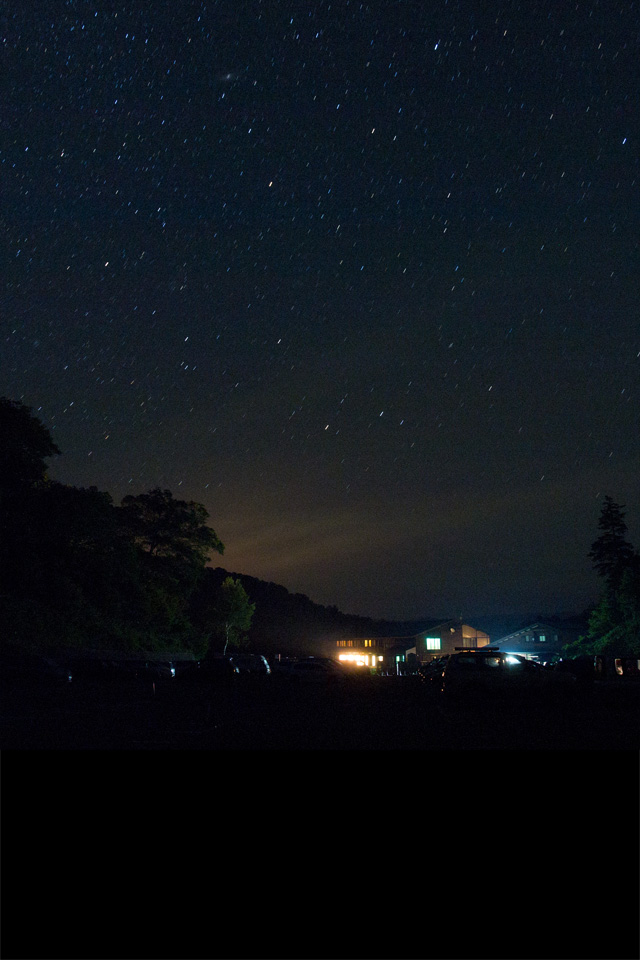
<point x="387" y="653"/>
<point x="375" y="652"/>
<point x="443" y="638"/>
<point x="542" y="640"/>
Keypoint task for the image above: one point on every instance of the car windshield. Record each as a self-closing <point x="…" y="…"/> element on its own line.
<point x="471" y="662"/>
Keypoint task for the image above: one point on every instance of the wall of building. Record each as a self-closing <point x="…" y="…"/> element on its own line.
<point x="450" y="636"/>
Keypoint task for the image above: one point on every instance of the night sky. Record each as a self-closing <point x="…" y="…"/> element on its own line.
<point x="361" y="278"/>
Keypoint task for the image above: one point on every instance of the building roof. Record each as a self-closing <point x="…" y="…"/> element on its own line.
<point x="547" y="625"/>
<point x="409" y="640"/>
<point x="455" y="623"/>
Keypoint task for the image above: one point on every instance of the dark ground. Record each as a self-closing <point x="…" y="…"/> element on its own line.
<point x="288" y="797"/>
<point x="363" y="713"/>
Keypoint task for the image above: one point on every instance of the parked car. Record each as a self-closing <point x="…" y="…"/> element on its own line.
<point x="486" y="673"/>
<point x="182" y="665"/>
<point x="211" y="669"/>
<point x="311" y="670"/>
<point x="628" y="667"/>
<point x="582" y="668"/>
<point x="148" y="669"/>
<point x="161" y="669"/>
<point x="21" y="665"/>
<point x="92" y="668"/>
<point x="610" y="667"/>
<point x="431" y="672"/>
<point x="252" y="663"/>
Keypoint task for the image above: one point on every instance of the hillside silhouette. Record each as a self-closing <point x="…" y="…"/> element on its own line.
<point x="292" y="624"/>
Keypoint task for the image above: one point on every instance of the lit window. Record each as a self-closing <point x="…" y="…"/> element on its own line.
<point x="542" y="638"/>
<point x="433" y="643"/>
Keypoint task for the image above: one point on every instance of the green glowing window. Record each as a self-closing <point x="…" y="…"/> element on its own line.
<point x="433" y="643"/>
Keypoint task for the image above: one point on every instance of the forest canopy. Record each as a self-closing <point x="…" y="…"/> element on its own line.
<point x="78" y="571"/>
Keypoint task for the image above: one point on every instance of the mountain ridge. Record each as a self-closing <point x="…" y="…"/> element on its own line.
<point x="291" y="624"/>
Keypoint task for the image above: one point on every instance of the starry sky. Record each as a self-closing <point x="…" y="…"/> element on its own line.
<point x="361" y="278"/>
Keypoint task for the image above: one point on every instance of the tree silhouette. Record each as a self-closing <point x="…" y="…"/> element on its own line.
<point x="25" y="444"/>
<point x="166" y="527"/>
<point x="610" y="554"/>
<point x="614" y="623"/>
<point x="234" y="613"/>
<point x="221" y="611"/>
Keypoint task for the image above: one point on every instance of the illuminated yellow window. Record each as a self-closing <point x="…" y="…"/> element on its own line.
<point x="433" y="643"/>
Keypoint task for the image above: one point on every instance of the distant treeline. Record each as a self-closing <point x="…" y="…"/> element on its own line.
<point x="78" y="571"/>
